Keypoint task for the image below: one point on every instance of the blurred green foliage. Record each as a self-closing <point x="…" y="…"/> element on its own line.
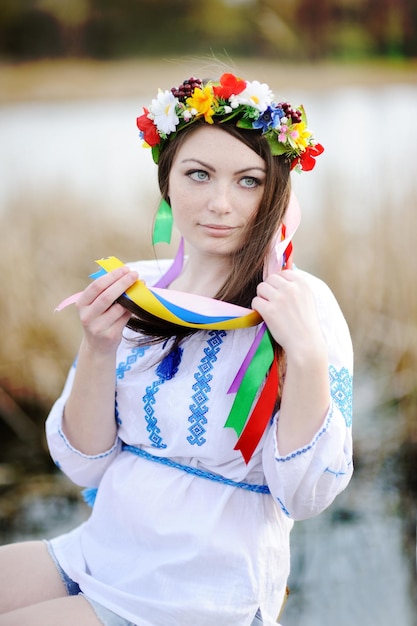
<point x="296" y="29"/>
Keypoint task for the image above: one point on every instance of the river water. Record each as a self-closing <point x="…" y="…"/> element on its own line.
<point x="351" y="565"/>
<point x="92" y="149"/>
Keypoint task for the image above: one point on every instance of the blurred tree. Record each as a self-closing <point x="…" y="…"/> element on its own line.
<point x="296" y="29"/>
<point x="347" y="37"/>
<point x="274" y="28"/>
<point x="314" y="18"/>
<point x="32" y="34"/>
<point x="129" y="27"/>
<point x="410" y="28"/>
<point x="71" y="15"/>
<point x="41" y="28"/>
<point x="299" y="29"/>
<point x="167" y="26"/>
<point x="223" y="25"/>
<point x="392" y="26"/>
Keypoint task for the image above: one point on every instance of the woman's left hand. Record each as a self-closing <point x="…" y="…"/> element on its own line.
<point x="286" y="303"/>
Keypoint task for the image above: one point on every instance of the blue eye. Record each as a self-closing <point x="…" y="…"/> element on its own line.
<point x="198" y="175"/>
<point x="250" y="181"/>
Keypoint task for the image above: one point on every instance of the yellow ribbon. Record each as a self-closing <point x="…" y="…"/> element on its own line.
<point x="141" y="295"/>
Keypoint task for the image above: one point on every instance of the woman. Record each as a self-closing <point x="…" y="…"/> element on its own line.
<point x="191" y="523"/>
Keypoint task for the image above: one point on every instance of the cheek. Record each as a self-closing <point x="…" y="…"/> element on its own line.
<point x="178" y="203"/>
<point x="251" y="208"/>
<point x="180" y="211"/>
<point x="176" y="192"/>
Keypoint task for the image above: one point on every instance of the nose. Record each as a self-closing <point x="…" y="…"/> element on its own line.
<point x="221" y="200"/>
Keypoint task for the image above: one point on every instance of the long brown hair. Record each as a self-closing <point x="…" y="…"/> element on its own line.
<point x="247" y="262"/>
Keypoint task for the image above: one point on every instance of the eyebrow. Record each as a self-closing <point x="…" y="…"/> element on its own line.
<point x="212" y="169"/>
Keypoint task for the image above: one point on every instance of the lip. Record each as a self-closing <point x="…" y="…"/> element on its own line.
<point x="217" y="230"/>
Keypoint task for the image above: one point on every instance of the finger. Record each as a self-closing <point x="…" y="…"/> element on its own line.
<point x="282" y="277"/>
<point x="271" y="288"/>
<point x="112" y="315"/>
<point x="108" y="288"/>
<point x="265" y="291"/>
<point x="108" y="324"/>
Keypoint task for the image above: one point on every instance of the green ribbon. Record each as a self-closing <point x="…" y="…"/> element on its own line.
<point x="250" y="385"/>
<point x="162" y="229"/>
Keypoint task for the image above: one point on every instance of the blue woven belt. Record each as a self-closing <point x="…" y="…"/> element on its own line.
<point x="195" y="471"/>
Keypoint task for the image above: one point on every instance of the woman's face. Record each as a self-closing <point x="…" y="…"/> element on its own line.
<point x="216" y="185"/>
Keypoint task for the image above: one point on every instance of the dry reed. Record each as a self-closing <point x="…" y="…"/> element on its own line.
<point x="48" y="245"/>
<point x="373" y="275"/>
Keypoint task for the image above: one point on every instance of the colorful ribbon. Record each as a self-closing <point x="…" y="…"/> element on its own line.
<point x="258" y="373"/>
<point x="162" y="229"/>
<point x="183" y="308"/>
<point x="249" y="387"/>
<point x="261" y="414"/>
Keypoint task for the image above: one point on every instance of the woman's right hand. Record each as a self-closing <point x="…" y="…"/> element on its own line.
<point x="102" y="318"/>
<point x="88" y="420"/>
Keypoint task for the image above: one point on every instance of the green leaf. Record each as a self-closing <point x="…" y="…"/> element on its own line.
<point x="244" y="123"/>
<point x="277" y="148"/>
<point x="155" y="153"/>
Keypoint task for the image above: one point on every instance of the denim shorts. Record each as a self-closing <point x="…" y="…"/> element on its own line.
<point x="105" y="616"/>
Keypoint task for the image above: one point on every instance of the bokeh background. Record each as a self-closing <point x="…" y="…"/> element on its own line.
<point x="75" y="185"/>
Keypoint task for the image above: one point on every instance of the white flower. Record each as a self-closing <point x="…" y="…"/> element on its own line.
<point x="164" y="113"/>
<point x="255" y="94"/>
<point x="227" y="109"/>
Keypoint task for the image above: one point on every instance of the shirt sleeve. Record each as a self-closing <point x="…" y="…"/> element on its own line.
<point x="82" y="469"/>
<point x="306" y="482"/>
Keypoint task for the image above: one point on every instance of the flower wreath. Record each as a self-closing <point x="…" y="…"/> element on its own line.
<point x="251" y="104"/>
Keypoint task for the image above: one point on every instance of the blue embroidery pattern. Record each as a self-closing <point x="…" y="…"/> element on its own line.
<point x="202" y="388"/>
<point x="121" y="370"/>
<point x="336" y="474"/>
<point x="135" y="354"/>
<point x="149" y="402"/>
<point x="341" y="390"/>
<point x="166" y="370"/>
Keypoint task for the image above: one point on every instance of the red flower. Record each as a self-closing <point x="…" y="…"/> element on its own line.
<point x="229" y="86"/>
<point x="148" y="128"/>
<point x="307" y="159"/>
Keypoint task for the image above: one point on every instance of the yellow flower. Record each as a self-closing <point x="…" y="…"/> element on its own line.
<point x="299" y="136"/>
<point x="202" y="101"/>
